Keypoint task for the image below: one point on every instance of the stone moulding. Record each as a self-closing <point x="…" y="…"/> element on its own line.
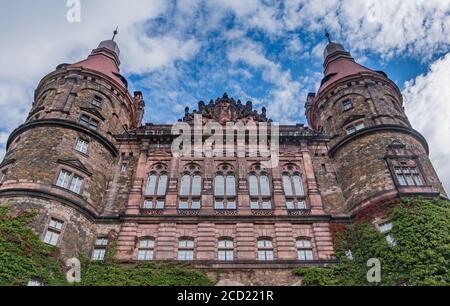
<point x="63" y="124"/>
<point x="373" y="129"/>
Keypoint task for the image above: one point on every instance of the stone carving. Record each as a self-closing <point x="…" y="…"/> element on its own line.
<point x="226" y="109"/>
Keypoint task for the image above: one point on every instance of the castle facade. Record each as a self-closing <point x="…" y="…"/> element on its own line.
<point x="96" y="175"/>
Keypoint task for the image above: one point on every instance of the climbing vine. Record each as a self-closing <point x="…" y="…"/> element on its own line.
<point x="24" y="257"/>
<point x="420" y="257"/>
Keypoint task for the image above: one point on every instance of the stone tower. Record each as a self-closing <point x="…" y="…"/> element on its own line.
<point x="376" y="153"/>
<point x="62" y="161"/>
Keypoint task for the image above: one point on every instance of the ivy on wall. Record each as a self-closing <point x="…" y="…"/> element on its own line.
<point x="24" y="257"/>
<point x="420" y="257"/>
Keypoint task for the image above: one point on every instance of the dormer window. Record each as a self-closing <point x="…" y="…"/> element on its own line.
<point x="354" y="128"/>
<point x="347" y="105"/>
<point x="97" y="101"/>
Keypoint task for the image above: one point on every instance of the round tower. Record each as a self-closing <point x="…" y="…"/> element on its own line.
<point x="62" y="159"/>
<point x="377" y="154"/>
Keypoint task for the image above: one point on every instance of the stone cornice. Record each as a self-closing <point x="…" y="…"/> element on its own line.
<point x="63" y="124"/>
<point x="379" y="128"/>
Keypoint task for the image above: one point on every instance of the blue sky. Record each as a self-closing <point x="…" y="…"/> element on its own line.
<point x="266" y="51"/>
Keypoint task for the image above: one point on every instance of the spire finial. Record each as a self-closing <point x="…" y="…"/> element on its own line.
<point x="328" y="36"/>
<point x="116" y="31"/>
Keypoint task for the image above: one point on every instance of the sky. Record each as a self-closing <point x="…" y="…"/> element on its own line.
<point x="269" y="52"/>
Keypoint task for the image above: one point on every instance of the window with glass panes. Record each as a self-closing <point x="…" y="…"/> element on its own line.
<point x="89" y="122"/>
<point x="385" y="229"/>
<point x="225" y="189"/>
<point x="156" y="190"/>
<point x="347" y="105"/>
<point x="190" y="188"/>
<point x="146" y="249"/>
<point x="186" y="249"/>
<point x="265" y="249"/>
<point x="354" y="128"/>
<point x="293" y="189"/>
<point x="408" y="176"/>
<point x="82" y="146"/>
<point x="69" y="181"/>
<point x="225" y="249"/>
<point x="99" y="252"/>
<point x="97" y="101"/>
<point x="53" y="232"/>
<point x="304" y="249"/>
<point x="259" y="189"/>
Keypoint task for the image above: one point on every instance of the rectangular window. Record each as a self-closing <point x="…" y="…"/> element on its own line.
<point x="186" y="250"/>
<point x="99" y="251"/>
<point x="225" y="250"/>
<point x="304" y="250"/>
<point x="89" y="122"/>
<point x="70" y="181"/>
<point x="354" y="128"/>
<point x="53" y="232"/>
<point x="82" y="146"/>
<point x="408" y="176"/>
<point x="146" y="249"/>
<point x="97" y="101"/>
<point x="347" y="105"/>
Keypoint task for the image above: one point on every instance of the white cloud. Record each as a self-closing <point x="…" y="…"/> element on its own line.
<point x="427" y="105"/>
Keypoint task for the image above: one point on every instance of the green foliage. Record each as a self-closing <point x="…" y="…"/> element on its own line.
<point x="421" y="256"/>
<point x="110" y="274"/>
<point x="24" y="257"/>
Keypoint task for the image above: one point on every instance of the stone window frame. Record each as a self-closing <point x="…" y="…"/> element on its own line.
<point x="291" y="171"/>
<point x="412" y="164"/>
<point x="146" y="248"/>
<point x="353" y="125"/>
<point x="87" y="146"/>
<point x="101" y="247"/>
<point x="226" y="170"/>
<point x="346" y="102"/>
<point x="226" y="248"/>
<point x="88" y="122"/>
<point x="97" y="101"/>
<point x="399" y="157"/>
<point x="72" y="172"/>
<point x="264" y="248"/>
<point x="192" y="170"/>
<point x="258" y="171"/>
<point x="59" y="231"/>
<point x="186" y="248"/>
<point x="305" y="248"/>
<point x="155" y="199"/>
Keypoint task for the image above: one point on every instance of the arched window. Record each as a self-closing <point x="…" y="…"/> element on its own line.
<point x="186" y="249"/>
<point x="225" y="189"/>
<point x="265" y="249"/>
<point x="259" y="189"/>
<point x="191" y="188"/>
<point x="146" y="249"/>
<point x="304" y="249"/>
<point x="293" y="188"/>
<point x="155" y="193"/>
<point x="225" y="249"/>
